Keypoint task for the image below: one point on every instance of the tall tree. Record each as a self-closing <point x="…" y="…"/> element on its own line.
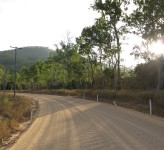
<point x="86" y="49"/>
<point x="148" y="19"/>
<point x="114" y="13"/>
<point x="66" y="54"/>
<point x="148" y="22"/>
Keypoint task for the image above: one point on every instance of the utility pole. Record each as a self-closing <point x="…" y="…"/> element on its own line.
<point x="16" y="48"/>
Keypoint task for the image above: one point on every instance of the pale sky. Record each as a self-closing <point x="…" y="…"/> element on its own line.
<point x="42" y="22"/>
<point x="47" y="22"/>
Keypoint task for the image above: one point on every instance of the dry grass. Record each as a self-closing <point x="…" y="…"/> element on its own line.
<point x="12" y="112"/>
<point x="135" y="99"/>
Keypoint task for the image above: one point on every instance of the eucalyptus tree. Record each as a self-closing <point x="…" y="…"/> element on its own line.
<point x="5" y="78"/>
<point x="93" y="44"/>
<point x="24" y="78"/>
<point x="148" y="22"/>
<point x="148" y="19"/>
<point x="86" y="49"/>
<point x="56" y="74"/>
<point x="143" y="52"/>
<point x="100" y="38"/>
<point x="114" y="12"/>
<point x="38" y="74"/>
<point x="66" y="57"/>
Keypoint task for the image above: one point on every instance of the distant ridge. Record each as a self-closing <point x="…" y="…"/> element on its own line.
<point x="26" y="56"/>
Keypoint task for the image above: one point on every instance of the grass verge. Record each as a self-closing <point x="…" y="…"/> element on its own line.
<point x="13" y="111"/>
<point x="134" y="99"/>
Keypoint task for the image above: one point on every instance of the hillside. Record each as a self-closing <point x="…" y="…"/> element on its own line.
<point x="25" y="57"/>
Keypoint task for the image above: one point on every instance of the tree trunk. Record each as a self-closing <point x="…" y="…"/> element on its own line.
<point x="118" y="59"/>
<point x="160" y="72"/>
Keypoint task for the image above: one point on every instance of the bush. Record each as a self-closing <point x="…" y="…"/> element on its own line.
<point x="12" y="112"/>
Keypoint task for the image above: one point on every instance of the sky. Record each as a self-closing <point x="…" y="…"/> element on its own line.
<point x="42" y="22"/>
<point x="47" y="22"/>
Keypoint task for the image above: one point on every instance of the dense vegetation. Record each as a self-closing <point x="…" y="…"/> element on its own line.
<point x="94" y="59"/>
<point x="66" y="67"/>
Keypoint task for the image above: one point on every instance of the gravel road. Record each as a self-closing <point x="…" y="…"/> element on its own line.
<point x="67" y="123"/>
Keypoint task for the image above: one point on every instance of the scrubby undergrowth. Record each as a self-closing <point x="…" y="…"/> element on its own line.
<point x="134" y="99"/>
<point x="13" y="111"/>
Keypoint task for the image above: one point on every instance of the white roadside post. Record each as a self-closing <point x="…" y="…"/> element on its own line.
<point x="31" y="114"/>
<point x="97" y="97"/>
<point x="150" y="107"/>
<point x="114" y="103"/>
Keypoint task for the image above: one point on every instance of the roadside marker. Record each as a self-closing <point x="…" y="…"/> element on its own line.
<point x="114" y="103"/>
<point x="150" y="107"/>
<point x="97" y="97"/>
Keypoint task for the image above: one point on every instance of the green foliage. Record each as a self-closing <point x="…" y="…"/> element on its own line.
<point x="69" y="65"/>
<point x="113" y="13"/>
<point x="148" y="19"/>
<point x="1" y="75"/>
<point x="142" y="52"/>
<point x="94" y="60"/>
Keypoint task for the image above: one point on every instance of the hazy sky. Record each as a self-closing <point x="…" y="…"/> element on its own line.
<point x="42" y="22"/>
<point x="46" y="22"/>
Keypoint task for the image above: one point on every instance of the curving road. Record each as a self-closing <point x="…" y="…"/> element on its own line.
<point x="67" y="123"/>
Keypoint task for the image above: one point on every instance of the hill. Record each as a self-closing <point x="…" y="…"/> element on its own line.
<point x="26" y="56"/>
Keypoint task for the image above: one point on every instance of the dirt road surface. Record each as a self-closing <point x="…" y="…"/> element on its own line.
<point x="67" y="123"/>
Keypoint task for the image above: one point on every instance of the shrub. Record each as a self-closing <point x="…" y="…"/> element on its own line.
<point x="12" y="112"/>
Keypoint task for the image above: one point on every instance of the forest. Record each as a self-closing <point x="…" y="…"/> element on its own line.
<point x="93" y="60"/>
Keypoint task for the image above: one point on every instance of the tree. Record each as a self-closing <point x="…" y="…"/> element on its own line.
<point x="66" y="56"/>
<point x="114" y="13"/>
<point x="86" y="49"/>
<point x="2" y="73"/>
<point x="38" y="74"/>
<point x="148" y="22"/>
<point x="55" y="74"/>
<point x="148" y="19"/>
<point x="143" y="52"/>
<point x="25" y="78"/>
